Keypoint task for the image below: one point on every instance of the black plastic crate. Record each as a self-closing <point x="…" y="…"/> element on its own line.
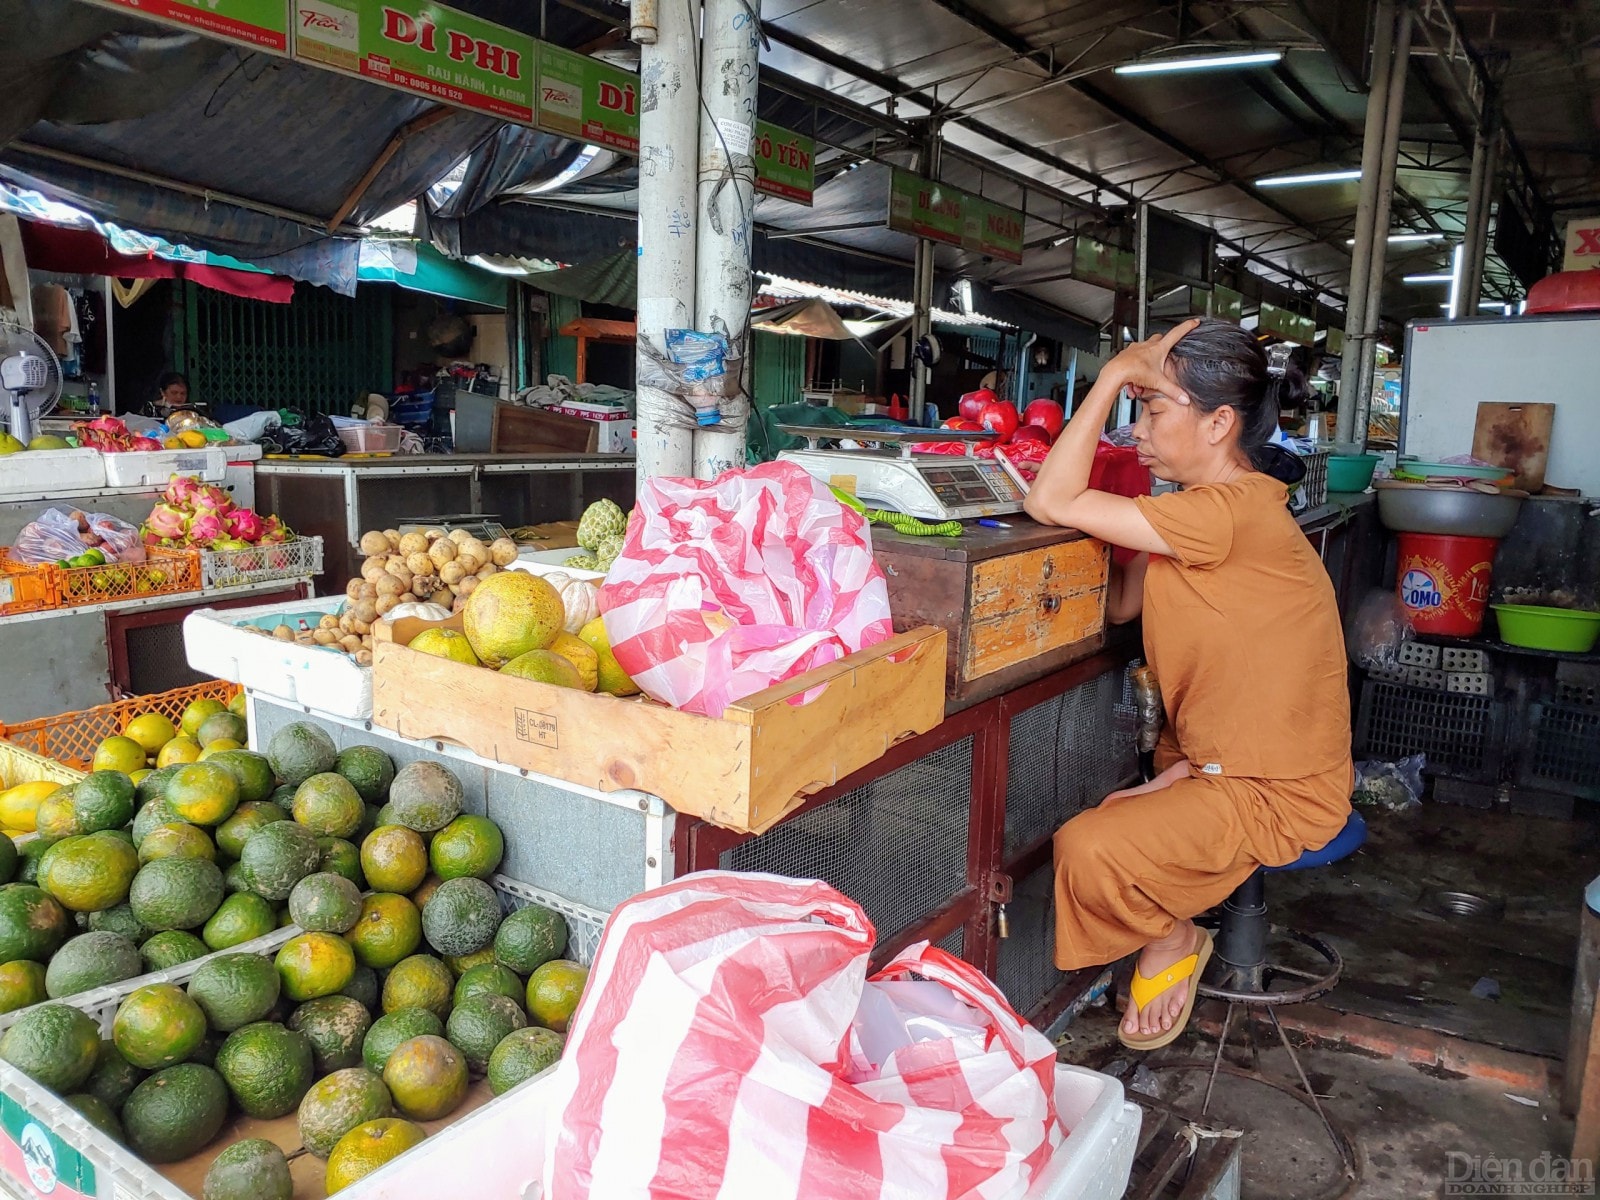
<point x="1459" y="734"/>
<point x="1563" y="749"/>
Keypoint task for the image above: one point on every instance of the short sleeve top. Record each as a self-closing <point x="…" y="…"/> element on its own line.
<point x="1243" y="630"/>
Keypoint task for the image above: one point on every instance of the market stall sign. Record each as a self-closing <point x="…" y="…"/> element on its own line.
<point x="1583" y="245"/>
<point x="586" y="99"/>
<point x="1335" y="342"/>
<point x="1227" y="304"/>
<point x="1289" y="326"/>
<point x="941" y="213"/>
<point x="258" y="24"/>
<point x="40" y="1161"/>
<point x="421" y="47"/>
<point x="783" y="163"/>
<point x="1105" y="266"/>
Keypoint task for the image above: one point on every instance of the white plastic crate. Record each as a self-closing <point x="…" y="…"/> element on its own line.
<point x="310" y="676"/>
<point x="288" y="560"/>
<point x="75" y="1152"/>
<point x="135" y="468"/>
<point x="1093" y="1163"/>
<point x="51" y="472"/>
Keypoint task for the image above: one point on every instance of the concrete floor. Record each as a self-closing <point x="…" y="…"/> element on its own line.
<point x="1405" y="1057"/>
<point x="1404" y="1119"/>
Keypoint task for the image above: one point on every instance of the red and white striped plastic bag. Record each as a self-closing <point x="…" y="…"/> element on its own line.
<point x="727" y="587"/>
<point x="713" y="1055"/>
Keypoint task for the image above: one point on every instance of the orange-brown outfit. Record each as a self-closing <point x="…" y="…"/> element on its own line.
<point x="1243" y="631"/>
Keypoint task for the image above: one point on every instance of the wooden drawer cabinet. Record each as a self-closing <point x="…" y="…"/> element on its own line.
<point x="1018" y="603"/>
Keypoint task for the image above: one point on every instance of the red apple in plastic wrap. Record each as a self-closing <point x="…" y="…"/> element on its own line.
<point x="1047" y="415"/>
<point x="1031" y="433"/>
<point x="961" y="423"/>
<point x="1000" y="419"/>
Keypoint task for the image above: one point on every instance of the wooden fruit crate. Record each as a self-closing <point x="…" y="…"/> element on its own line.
<point x="744" y="771"/>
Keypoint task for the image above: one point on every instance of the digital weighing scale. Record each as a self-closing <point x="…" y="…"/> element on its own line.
<point x="934" y="487"/>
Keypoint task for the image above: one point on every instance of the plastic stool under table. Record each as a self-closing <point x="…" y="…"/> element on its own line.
<point x="1242" y="974"/>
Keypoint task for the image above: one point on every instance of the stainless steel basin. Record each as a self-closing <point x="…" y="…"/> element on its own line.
<point x="1451" y="511"/>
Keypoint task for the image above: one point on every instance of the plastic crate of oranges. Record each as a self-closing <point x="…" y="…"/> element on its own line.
<point x="74" y="738"/>
<point x="163" y="572"/>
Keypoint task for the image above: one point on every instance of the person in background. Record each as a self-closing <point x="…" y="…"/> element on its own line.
<point x="172" y="395"/>
<point x="1242" y="629"/>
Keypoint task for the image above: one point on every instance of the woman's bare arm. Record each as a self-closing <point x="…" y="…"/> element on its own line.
<point x="1125" y="594"/>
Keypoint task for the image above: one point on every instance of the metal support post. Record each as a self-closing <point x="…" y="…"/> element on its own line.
<point x="922" y="287"/>
<point x="729" y="63"/>
<point x="1361" y="254"/>
<point x="1380" y="222"/>
<point x="1478" y="244"/>
<point x="1466" y="296"/>
<point x="669" y="122"/>
<point x="1141" y="266"/>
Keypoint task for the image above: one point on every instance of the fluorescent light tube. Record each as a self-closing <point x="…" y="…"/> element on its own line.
<point x="1210" y="62"/>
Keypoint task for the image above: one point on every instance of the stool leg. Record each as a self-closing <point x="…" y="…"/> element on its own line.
<point x="1311" y="1094"/>
<point x="1216" y="1062"/>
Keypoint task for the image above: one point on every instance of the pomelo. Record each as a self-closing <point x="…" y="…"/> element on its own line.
<point x="545" y="666"/>
<point x="613" y="680"/>
<point x="509" y="614"/>
<point x="445" y="643"/>
<point x="581" y="655"/>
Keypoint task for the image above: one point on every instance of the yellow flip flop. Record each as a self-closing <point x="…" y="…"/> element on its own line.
<point x="1142" y="992"/>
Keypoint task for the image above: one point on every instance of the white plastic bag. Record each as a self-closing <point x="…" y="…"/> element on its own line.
<point x="728" y="587"/>
<point x="717" y="1053"/>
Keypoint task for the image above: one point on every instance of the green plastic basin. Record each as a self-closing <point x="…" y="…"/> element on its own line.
<point x="1351" y="472"/>
<point x="1535" y="628"/>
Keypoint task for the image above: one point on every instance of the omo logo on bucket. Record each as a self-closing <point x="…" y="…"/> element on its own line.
<point x="38" y="1158"/>
<point x="1421" y="589"/>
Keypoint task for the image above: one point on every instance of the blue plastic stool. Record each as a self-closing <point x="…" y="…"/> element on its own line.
<point x="1242" y="974"/>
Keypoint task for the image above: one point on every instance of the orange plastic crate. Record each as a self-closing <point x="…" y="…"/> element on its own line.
<point x="72" y="738"/>
<point x="165" y="572"/>
<point x="25" y="588"/>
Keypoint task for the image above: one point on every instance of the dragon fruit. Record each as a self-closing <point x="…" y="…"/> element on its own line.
<point x="181" y="491"/>
<point x="210" y="496"/>
<point x="166" y="522"/>
<point x="144" y="443"/>
<point x="206" y="528"/>
<point x="275" y="531"/>
<point x="246" y="525"/>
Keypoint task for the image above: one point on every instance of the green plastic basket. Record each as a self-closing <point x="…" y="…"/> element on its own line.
<point x="1535" y="628"/>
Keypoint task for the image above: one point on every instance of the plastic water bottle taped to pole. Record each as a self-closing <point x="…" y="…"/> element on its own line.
<point x="700" y="369"/>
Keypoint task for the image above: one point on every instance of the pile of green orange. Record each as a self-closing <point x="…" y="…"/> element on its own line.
<point x="404" y="979"/>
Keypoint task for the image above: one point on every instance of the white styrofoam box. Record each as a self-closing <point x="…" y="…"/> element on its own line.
<point x="134" y="468"/>
<point x="243" y="452"/>
<point x="546" y="562"/>
<point x="312" y="676"/>
<point x="1096" y="1160"/>
<point x="1093" y="1163"/>
<point x="616" y="437"/>
<point x="51" y="472"/>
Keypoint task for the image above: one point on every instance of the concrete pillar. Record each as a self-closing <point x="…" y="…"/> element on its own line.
<point x="729" y="63"/>
<point x="1361" y="253"/>
<point x="669" y="124"/>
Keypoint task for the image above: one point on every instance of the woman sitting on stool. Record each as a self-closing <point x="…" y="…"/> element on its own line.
<point x="1243" y="632"/>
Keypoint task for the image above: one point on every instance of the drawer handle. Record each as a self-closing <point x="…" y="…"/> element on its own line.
<point x="1051" y="604"/>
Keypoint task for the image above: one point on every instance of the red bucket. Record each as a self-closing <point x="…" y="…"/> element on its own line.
<point x="1443" y="582"/>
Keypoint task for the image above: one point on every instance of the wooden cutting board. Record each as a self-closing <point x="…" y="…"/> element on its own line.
<point x="1516" y="437"/>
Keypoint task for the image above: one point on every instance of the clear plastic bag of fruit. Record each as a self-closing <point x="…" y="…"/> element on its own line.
<point x="59" y="535"/>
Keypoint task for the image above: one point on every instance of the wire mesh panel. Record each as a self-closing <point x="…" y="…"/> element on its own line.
<point x="1563" y="750"/>
<point x="157" y="661"/>
<point x="1457" y="732"/>
<point x="954" y="940"/>
<point x="1026" y="970"/>
<point x="897" y="845"/>
<point x="1066" y="754"/>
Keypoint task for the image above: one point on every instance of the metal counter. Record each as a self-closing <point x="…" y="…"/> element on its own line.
<point x="340" y="499"/>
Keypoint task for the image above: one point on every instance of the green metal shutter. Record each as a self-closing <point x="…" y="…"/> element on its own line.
<point x="779" y="368"/>
<point x="561" y="353"/>
<point x="317" y="353"/>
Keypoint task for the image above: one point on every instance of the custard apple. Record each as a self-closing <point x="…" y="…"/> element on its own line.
<point x="606" y="552"/>
<point x="584" y="562"/>
<point x="599" y="521"/>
